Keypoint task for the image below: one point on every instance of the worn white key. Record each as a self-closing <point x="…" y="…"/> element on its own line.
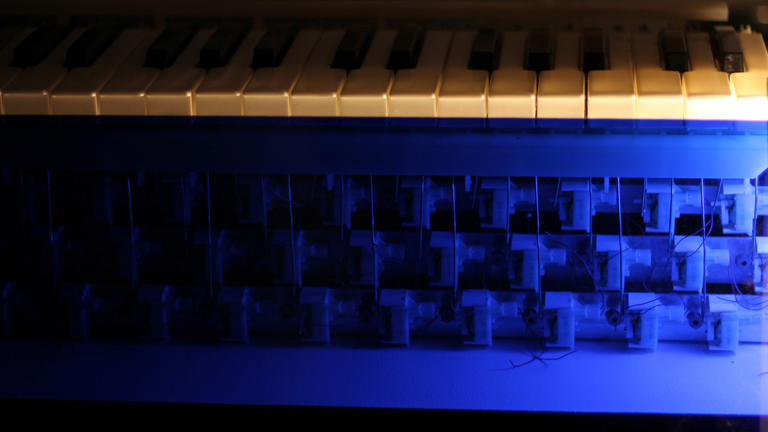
<point x="464" y="92"/>
<point x="316" y="93"/>
<point x="221" y="93"/>
<point x="561" y="90"/>
<point x="268" y="92"/>
<point x="7" y="72"/>
<point x="173" y="92"/>
<point x="30" y="92"/>
<point x="414" y="92"/>
<point x="512" y="92"/>
<point x="124" y="93"/>
<point x="659" y="92"/>
<point x="751" y="86"/>
<point x="708" y="93"/>
<point x="77" y="93"/>
<point x="366" y="91"/>
<point x="611" y="93"/>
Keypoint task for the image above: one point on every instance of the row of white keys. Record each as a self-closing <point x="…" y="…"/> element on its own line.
<point x="751" y="86"/>
<point x="366" y="91"/>
<point x="611" y="93"/>
<point x="464" y="91"/>
<point x="77" y="93"/>
<point x="415" y="91"/>
<point x="268" y="92"/>
<point x="512" y="92"/>
<point x="123" y="94"/>
<point x="30" y="92"/>
<point x="221" y="93"/>
<point x="561" y="90"/>
<point x="659" y="92"/>
<point x="316" y="94"/>
<point x="173" y="92"/>
<point x="708" y="93"/>
<point x="8" y="72"/>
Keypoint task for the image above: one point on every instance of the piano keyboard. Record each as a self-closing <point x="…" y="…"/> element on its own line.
<point x="408" y="76"/>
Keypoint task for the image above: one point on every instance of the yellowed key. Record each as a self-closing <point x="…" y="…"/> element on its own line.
<point x="708" y="92"/>
<point x="512" y="92"/>
<point x="611" y="93"/>
<point x="173" y="92"/>
<point x="415" y="91"/>
<point x="268" y="92"/>
<point x="659" y="92"/>
<point x="561" y="90"/>
<point x="8" y="72"/>
<point x="464" y="92"/>
<point x="30" y="92"/>
<point x="77" y="94"/>
<point x="366" y="91"/>
<point x="221" y="93"/>
<point x="316" y="94"/>
<point x="751" y="86"/>
<point x="124" y="93"/>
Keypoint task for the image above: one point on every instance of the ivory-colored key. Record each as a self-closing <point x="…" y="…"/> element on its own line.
<point x="561" y="90"/>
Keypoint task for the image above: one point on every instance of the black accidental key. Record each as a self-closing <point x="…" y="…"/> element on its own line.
<point x="352" y="48"/>
<point x="221" y="46"/>
<point x="167" y="47"/>
<point x="38" y="45"/>
<point x="7" y="34"/>
<point x="539" y="49"/>
<point x="594" y="50"/>
<point x="673" y="50"/>
<point x="271" y="49"/>
<point x="90" y="45"/>
<point x="486" y="50"/>
<point x="405" y="49"/>
<point x="728" y="49"/>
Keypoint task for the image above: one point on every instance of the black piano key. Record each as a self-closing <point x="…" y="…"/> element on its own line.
<point x="486" y="50"/>
<point x="728" y="49"/>
<point x="594" y="50"/>
<point x="38" y="45"/>
<point x="167" y="47"/>
<point x="271" y="49"/>
<point x="352" y="48"/>
<point x="221" y="46"/>
<point x="539" y="50"/>
<point x="405" y="49"/>
<point x="90" y="45"/>
<point x="673" y="50"/>
<point x="7" y="34"/>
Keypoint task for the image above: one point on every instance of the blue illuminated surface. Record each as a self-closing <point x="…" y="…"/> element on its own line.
<point x="600" y="377"/>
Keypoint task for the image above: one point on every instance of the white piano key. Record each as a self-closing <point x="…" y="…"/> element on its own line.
<point x="77" y="93"/>
<point x="464" y="92"/>
<point x="268" y="92"/>
<point x="708" y="92"/>
<point x="172" y="93"/>
<point x="221" y="93"/>
<point x="561" y="90"/>
<point x="414" y="92"/>
<point x="512" y="90"/>
<point x="366" y="91"/>
<point x="316" y="93"/>
<point x="611" y="93"/>
<point x="124" y="93"/>
<point x="7" y="72"/>
<point x="659" y="92"/>
<point x="30" y="92"/>
<point x="751" y="86"/>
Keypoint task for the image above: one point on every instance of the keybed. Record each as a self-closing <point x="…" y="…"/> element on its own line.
<point x="541" y="76"/>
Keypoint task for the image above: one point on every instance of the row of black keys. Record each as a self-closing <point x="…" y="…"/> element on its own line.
<point x="353" y="47"/>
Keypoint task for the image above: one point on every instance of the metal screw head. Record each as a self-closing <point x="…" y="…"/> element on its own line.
<point x="447" y="314"/>
<point x="695" y="320"/>
<point x="286" y="311"/>
<point x="613" y="317"/>
<point x="742" y="260"/>
<point x="530" y="317"/>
